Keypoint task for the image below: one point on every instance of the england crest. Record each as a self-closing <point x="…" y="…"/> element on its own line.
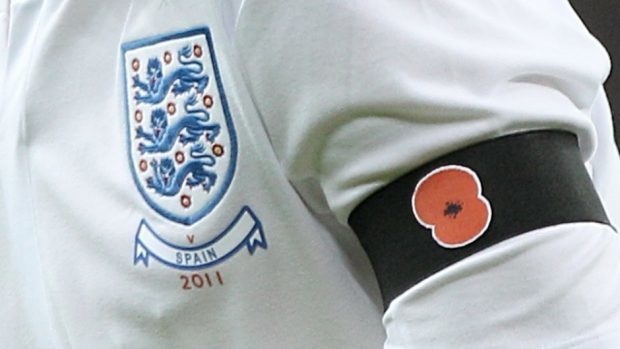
<point x="181" y="137"/>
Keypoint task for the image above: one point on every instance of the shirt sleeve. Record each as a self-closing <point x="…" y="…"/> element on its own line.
<point x="605" y="163"/>
<point x="356" y="94"/>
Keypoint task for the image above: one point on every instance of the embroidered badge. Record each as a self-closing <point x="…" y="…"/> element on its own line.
<point x="244" y="232"/>
<point x="449" y="202"/>
<point x="182" y="145"/>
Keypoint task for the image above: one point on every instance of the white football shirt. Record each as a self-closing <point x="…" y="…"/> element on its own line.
<point x="179" y="174"/>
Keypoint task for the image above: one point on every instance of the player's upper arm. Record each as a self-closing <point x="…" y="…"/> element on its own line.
<point x="356" y="95"/>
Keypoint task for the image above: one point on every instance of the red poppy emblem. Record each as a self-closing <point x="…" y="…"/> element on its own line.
<point x="449" y="201"/>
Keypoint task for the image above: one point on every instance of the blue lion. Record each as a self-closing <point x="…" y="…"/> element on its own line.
<point x="167" y="181"/>
<point x="163" y="137"/>
<point x="180" y="80"/>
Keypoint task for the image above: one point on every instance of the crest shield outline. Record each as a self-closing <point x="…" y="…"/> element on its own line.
<point x="181" y="140"/>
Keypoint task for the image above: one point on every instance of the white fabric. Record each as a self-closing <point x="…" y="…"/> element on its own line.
<point x="534" y="291"/>
<point x="330" y="100"/>
<point x="606" y="162"/>
<point x="403" y="82"/>
<point x="4" y="35"/>
<point x="71" y="209"/>
<point x="356" y="94"/>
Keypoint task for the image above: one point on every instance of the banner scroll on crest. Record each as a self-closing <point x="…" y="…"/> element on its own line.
<point x="245" y="231"/>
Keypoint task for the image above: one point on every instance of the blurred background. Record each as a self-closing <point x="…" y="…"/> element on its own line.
<point x="602" y="17"/>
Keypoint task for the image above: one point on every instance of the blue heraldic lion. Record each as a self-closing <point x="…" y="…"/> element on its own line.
<point x="168" y="181"/>
<point x="187" y="130"/>
<point x="181" y="80"/>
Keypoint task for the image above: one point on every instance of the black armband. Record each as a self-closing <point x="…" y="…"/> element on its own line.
<point x="471" y="199"/>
